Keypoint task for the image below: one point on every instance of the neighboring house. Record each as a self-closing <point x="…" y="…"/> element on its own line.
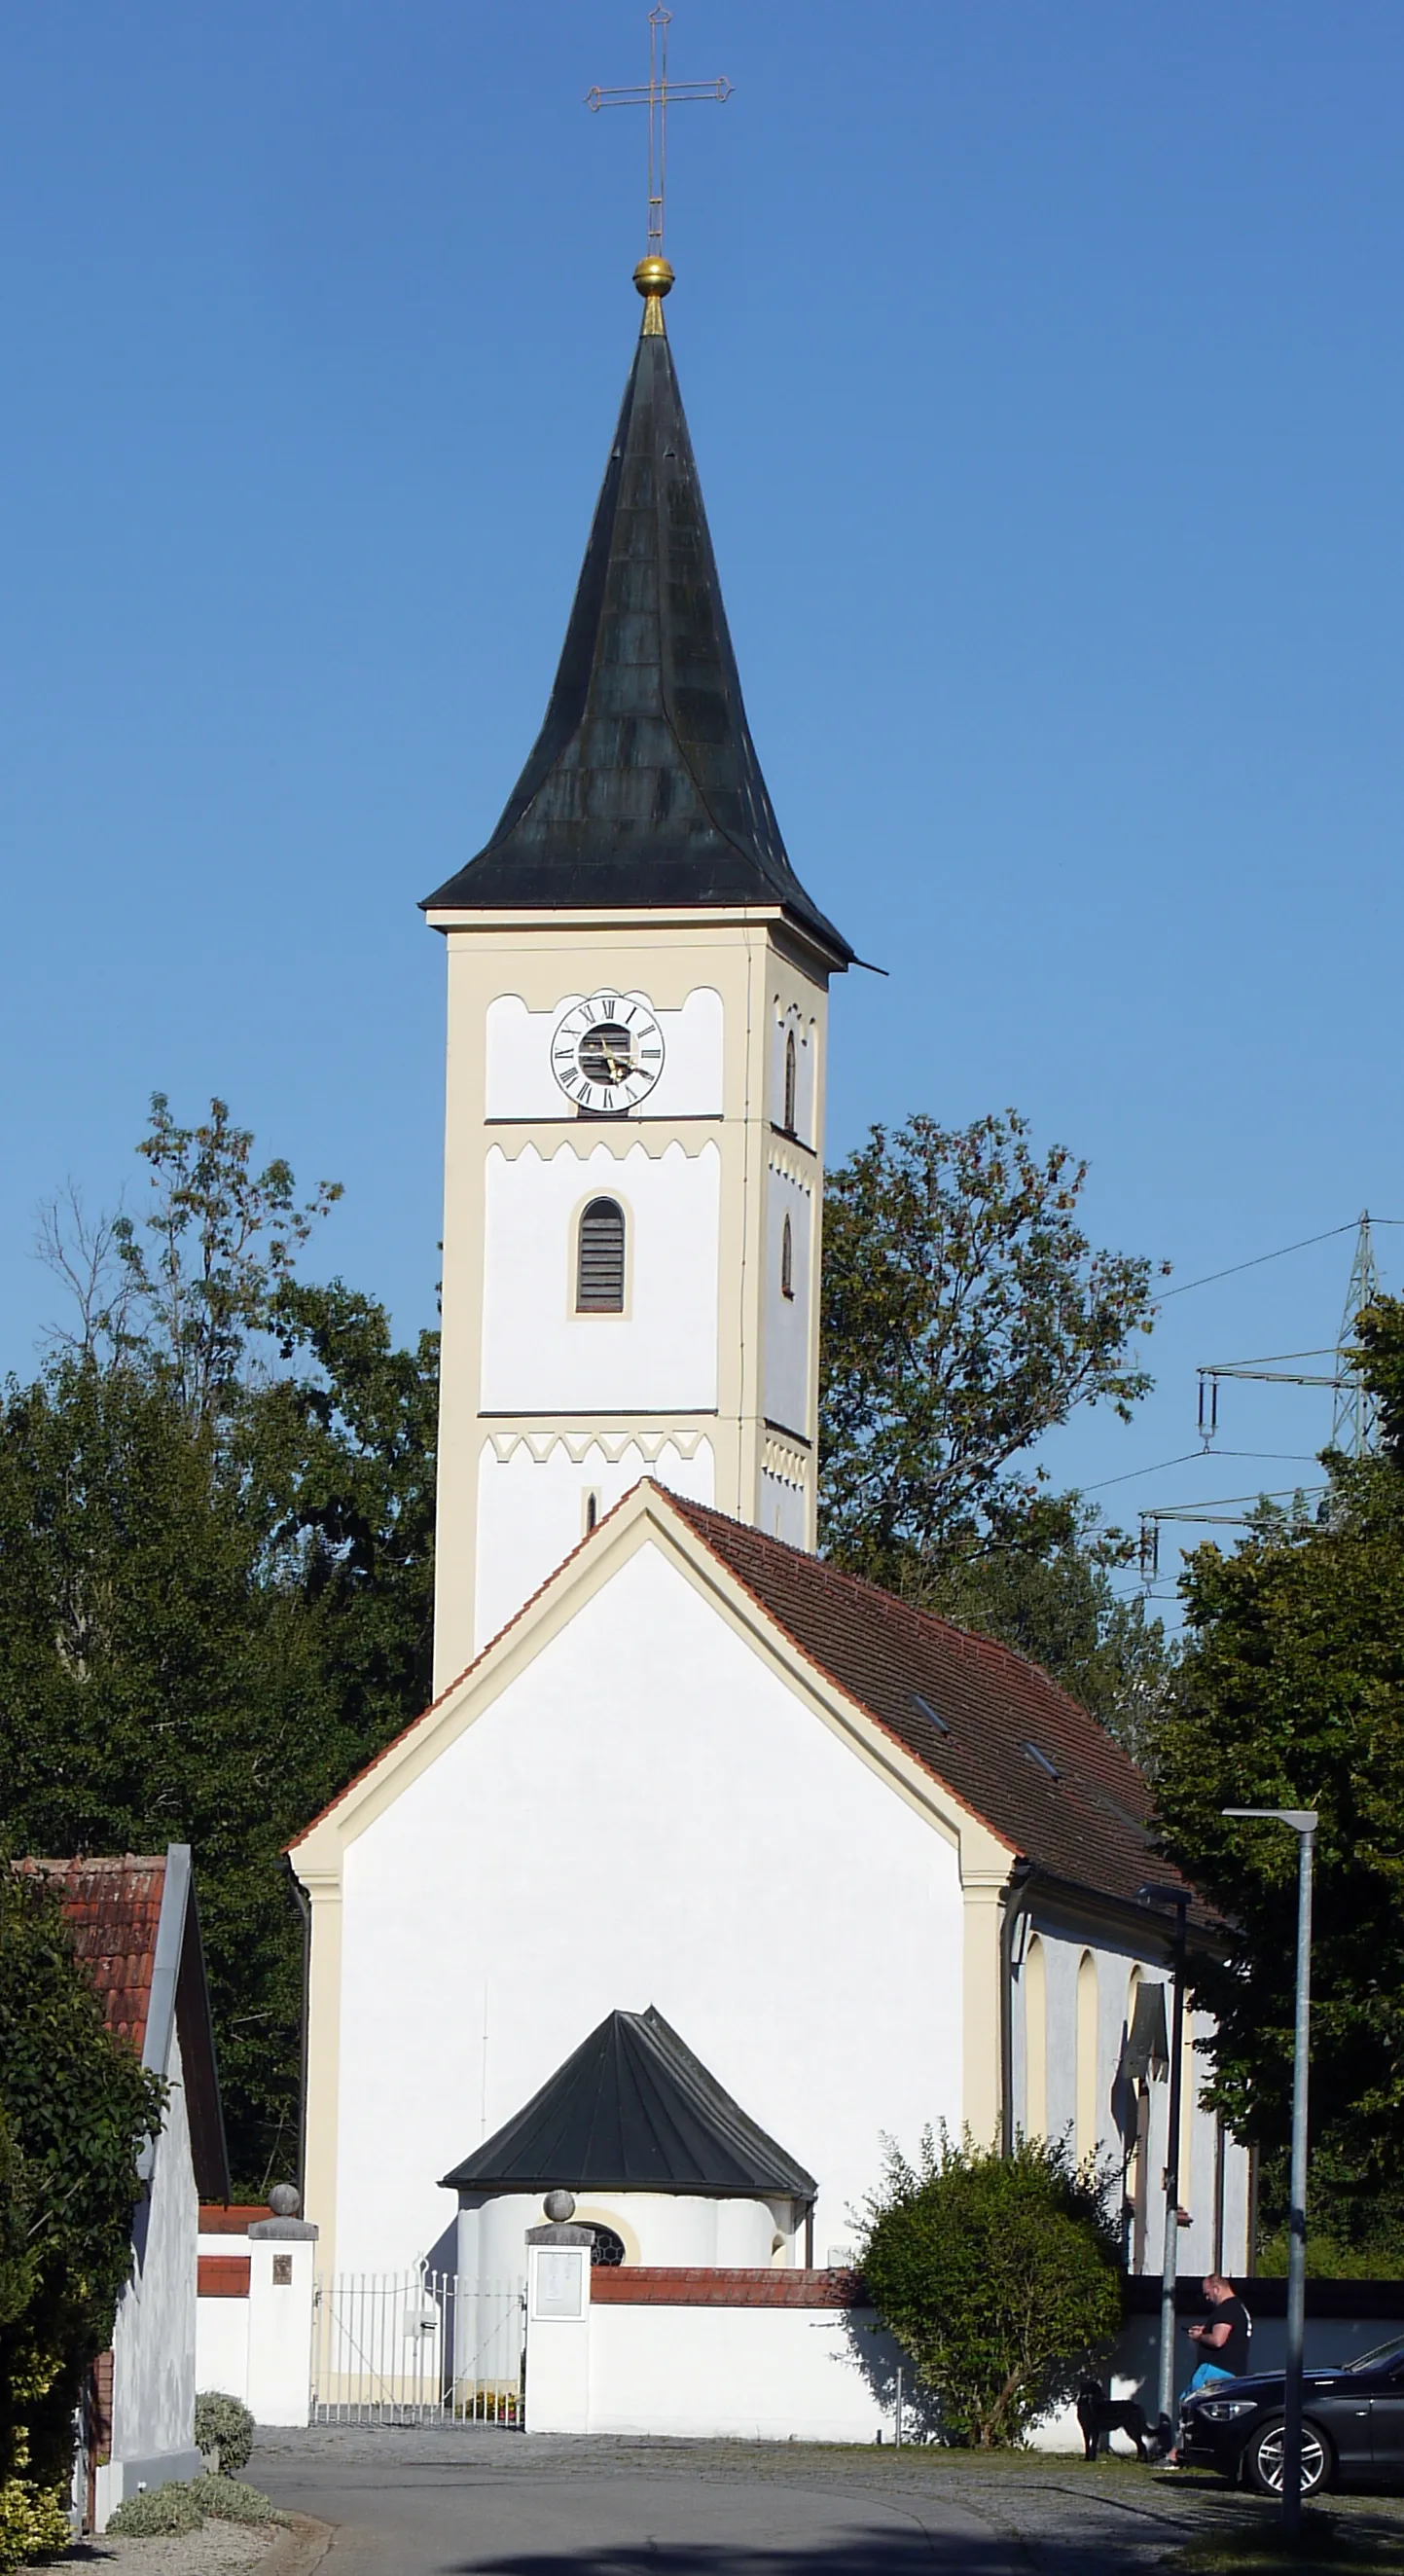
<point x="137" y="1933"/>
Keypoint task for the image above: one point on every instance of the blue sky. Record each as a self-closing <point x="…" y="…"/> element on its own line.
<point x="1044" y="368"/>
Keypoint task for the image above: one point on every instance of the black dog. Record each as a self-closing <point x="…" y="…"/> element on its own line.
<point x="1099" y="2414"/>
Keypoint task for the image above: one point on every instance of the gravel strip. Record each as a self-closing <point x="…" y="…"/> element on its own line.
<point x="188" y="2553"/>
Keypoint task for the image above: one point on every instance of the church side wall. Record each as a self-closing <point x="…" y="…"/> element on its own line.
<point x="646" y="1813"/>
<point x="1063" y="2059"/>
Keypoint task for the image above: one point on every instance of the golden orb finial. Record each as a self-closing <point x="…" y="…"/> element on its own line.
<point x="654" y="279"/>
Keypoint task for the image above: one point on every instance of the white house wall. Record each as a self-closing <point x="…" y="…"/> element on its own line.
<point x="645" y="1814"/>
<point x="153" y="2338"/>
<point x="532" y="1509"/>
<point x="539" y="1355"/>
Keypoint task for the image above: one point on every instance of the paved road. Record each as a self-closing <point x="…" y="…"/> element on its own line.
<point x="482" y="2503"/>
<point x="427" y="2519"/>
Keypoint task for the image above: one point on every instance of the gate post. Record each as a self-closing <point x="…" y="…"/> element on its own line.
<point x="282" y="2262"/>
<point x="558" y="2329"/>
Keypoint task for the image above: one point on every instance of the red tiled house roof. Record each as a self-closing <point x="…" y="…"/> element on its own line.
<point x="136" y="1930"/>
<point x="113" y="1909"/>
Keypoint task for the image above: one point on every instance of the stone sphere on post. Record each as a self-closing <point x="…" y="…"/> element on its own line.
<point x="559" y="2207"/>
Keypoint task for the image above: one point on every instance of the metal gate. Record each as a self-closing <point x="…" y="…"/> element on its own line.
<point x="417" y="2347"/>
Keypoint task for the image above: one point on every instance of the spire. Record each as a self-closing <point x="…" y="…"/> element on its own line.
<point x="643" y="788"/>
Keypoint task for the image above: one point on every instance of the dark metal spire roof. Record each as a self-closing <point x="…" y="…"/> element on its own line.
<point x="634" y="2110"/>
<point x="643" y="788"/>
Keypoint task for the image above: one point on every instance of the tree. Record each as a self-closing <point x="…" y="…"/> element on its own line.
<point x="1292" y="1694"/>
<point x="216" y="1553"/>
<point x="76" y="2108"/>
<point x="965" y="1314"/>
<point x="998" y="2274"/>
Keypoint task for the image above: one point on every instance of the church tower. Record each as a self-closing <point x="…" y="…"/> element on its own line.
<point x="637" y="990"/>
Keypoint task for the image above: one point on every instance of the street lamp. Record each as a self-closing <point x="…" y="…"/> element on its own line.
<point x="1303" y="1821"/>
<point x="1180" y="1898"/>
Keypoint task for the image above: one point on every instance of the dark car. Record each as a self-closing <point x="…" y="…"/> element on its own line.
<point x="1352" y="2424"/>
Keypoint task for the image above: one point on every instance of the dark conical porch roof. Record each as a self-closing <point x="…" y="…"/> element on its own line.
<point x="633" y="2110"/>
<point x="643" y="788"/>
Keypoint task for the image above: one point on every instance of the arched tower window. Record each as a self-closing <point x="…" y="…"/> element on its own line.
<point x="787" y="1260"/>
<point x="1086" y="2123"/>
<point x="789" y="1118"/>
<point x="1035" y="2042"/>
<point x="599" y="1268"/>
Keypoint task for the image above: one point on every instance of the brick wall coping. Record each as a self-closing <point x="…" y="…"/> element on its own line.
<point x="223" y="2276"/>
<point x="640" y="2285"/>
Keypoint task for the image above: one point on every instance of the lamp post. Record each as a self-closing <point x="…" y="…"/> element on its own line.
<point x="1180" y="1898"/>
<point x="1303" y="1821"/>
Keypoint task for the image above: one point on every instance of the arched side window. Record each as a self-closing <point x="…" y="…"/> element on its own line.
<point x="790" y="1083"/>
<point x="1035" y="2041"/>
<point x="1086" y="2122"/>
<point x="599" y="1265"/>
<point x="787" y="1260"/>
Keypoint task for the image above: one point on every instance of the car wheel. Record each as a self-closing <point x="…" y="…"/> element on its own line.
<point x="1264" y="2459"/>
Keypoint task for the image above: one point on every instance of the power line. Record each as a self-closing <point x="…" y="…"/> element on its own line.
<point x="1287" y="1457"/>
<point x="1260" y="1257"/>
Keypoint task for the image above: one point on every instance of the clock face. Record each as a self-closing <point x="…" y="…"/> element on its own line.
<point x="607" y="1052"/>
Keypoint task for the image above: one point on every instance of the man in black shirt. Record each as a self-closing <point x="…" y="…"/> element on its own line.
<point x="1223" y="2341"/>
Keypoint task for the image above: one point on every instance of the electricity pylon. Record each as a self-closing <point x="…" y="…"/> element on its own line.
<point x="1354" y="1423"/>
<point x="1355" y="1420"/>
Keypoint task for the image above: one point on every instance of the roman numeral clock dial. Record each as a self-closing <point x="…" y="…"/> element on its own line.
<point x="607" y="1052"/>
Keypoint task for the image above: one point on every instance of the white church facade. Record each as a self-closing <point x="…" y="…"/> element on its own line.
<point x="864" y="1871"/>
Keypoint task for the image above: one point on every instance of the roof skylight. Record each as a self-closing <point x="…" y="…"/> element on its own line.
<point x="933" y="1717"/>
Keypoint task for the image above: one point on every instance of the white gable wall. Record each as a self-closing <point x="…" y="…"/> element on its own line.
<point x="645" y="1814"/>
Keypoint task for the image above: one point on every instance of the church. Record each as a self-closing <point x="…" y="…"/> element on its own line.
<point x="710" y="1867"/>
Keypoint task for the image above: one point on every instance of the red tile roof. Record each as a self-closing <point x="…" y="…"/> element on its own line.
<point x="113" y="1908"/>
<point x="1088" y="1824"/>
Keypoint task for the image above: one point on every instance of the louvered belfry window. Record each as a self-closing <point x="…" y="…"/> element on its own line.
<point x="599" y="1278"/>
<point x="789" y="1082"/>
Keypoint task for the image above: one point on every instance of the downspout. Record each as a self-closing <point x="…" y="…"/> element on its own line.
<point x="304" y="1907"/>
<point x="1018" y="1890"/>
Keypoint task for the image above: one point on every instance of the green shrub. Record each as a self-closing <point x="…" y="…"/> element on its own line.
<point x="33" y="2522"/>
<point x="156" y="2513"/>
<point x="230" y="2500"/>
<point x="997" y="2273"/>
<point x="224" y="2424"/>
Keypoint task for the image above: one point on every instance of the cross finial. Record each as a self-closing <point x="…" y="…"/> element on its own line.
<point x="653" y="276"/>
